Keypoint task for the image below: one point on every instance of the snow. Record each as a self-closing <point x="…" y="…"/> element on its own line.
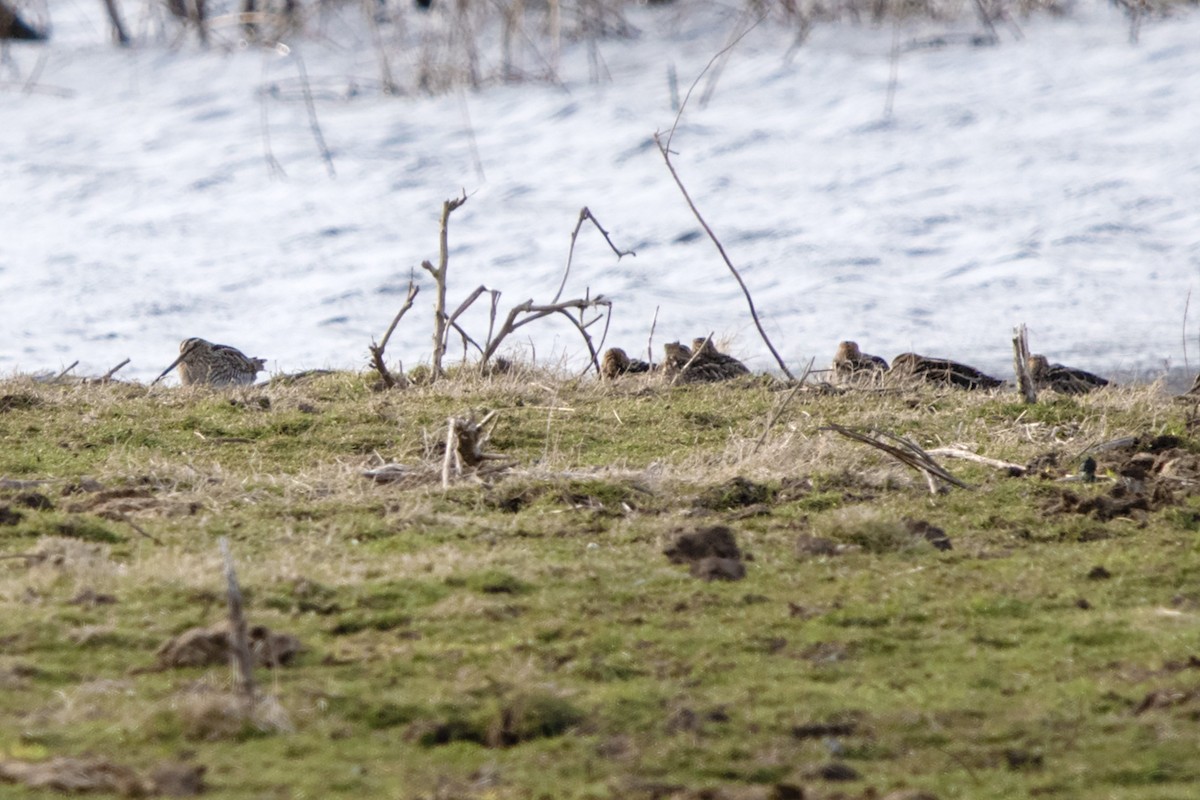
<point x="1052" y="179"/>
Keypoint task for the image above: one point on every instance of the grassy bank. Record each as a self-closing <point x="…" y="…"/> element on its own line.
<point x="525" y="635"/>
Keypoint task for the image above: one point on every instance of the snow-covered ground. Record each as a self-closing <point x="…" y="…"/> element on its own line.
<point x="1052" y="179"/>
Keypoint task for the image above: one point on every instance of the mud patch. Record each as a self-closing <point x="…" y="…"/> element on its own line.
<point x="19" y="401"/>
<point x="116" y="503"/>
<point x="732" y="494"/>
<point x="1150" y="475"/>
<point x="96" y="775"/>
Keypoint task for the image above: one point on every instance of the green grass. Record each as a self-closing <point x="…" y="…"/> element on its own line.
<point x="523" y="635"/>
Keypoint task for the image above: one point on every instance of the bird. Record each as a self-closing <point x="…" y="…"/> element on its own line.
<point x="850" y="363"/>
<point x="675" y="357"/>
<point x="712" y="362"/>
<point x="701" y="363"/>
<point x="943" y="371"/>
<point x="1066" y="380"/>
<point x="201" y="362"/>
<point x="616" y="362"/>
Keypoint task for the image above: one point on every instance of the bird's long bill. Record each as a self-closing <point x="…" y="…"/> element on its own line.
<point x="174" y="364"/>
<point x="166" y="371"/>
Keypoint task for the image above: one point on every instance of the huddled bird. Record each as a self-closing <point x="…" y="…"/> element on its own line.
<point x="701" y="363"/>
<point x="942" y="371"/>
<point x="1066" y="380"/>
<point x="850" y="363"/>
<point x="617" y="362"/>
<point x="201" y="362"/>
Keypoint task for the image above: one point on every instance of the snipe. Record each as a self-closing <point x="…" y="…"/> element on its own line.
<point x="941" y="371"/>
<point x="1066" y="380"/>
<point x="851" y="364"/>
<point x="616" y="362"/>
<point x="201" y="362"/>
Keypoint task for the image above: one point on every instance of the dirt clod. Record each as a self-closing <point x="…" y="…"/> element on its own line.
<point x="204" y="647"/>
<point x="712" y="553"/>
<point x="836" y="771"/>
<point x="931" y="533"/>
<point x="719" y="569"/>
<point x="737" y="492"/>
<point x="178" y="780"/>
<point x="715" y="541"/>
<point x="820" y="730"/>
<point x="35" y="500"/>
<point x="90" y="598"/>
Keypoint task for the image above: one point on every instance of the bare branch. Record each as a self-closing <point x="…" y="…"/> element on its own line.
<point x="650" y="338"/>
<point x="535" y="312"/>
<point x="63" y="374"/>
<point x="108" y="375"/>
<point x="666" y="154"/>
<point x="377" y="349"/>
<point x="440" y="320"/>
<point x="138" y="529"/>
<point x="1016" y="470"/>
<point x="720" y="54"/>
<point x="114" y="19"/>
<point x="907" y="453"/>
<point x="313" y="123"/>
<point x="274" y="167"/>
<point x="586" y="214"/>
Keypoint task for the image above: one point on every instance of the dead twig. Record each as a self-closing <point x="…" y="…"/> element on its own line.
<point x="650" y="338"/>
<point x="274" y="167"/>
<point x="139" y="530"/>
<point x="239" y="648"/>
<point x="893" y="72"/>
<point x="313" y="123"/>
<point x="440" y="319"/>
<point x="1025" y="384"/>
<point x="777" y="412"/>
<point x="63" y="374"/>
<point x="534" y="312"/>
<point x="1015" y="470"/>
<point x="108" y="375"/>
<point x="584" y="215"/>
<point x="377" y="349"/>
<point x="664" y="147"/>
<point x="465" y="442"/>
<point x="120" y="36"/>
<point x="907" y="453"/>
<point x="666" y="154"/>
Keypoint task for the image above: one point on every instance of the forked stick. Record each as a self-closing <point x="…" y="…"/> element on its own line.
<point x="586" y="214"/>
<point x="536" y="312"/>
<point x="377" y="349"/>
